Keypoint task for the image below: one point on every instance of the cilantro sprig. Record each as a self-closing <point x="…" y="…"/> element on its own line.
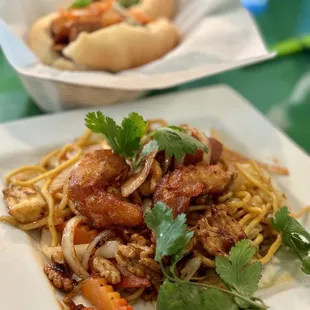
<point x="237" y="273"/>
<point x="240" y="276"/>
<point x="124" y="139"/>
<point x="128" y="3"/>
<point x="171" y="235"/>
<point x="127" y="141"/>
<point x="77" y="4"/>
<point x="294" y="236"/>
<point x="176" y="142"/>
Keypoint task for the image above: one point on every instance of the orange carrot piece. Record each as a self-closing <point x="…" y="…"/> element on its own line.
<point x="102" y="295"/>
<point x="83" y="233"/>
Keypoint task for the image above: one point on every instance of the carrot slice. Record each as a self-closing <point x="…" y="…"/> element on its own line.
<point x="102" y="295"/>
<point x="83" y="233"/>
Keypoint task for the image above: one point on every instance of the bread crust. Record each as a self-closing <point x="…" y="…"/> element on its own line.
<point x="157" y="8"/>
<point x="114" y="48"/>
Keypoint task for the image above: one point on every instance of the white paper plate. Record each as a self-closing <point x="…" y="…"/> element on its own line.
<point x="22" y="282"/>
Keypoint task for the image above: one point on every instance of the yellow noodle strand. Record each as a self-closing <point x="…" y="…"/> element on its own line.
<point x="63" y="152"/>
<point x="207" y="262"/>
<point x="45" y="160"/>
<point x="51" y="173"/>
<point x="246" y="197"/>
<point x="83" y="139"/>
<point x="72" y="208"/>
<point x="252" y="179"/>
<point x="272" y="250"/>
<point x="225" y="197"/>
<point x="58" y="196"/>
<point x="254" y="210"/>
<point x="245" y="219"/>
<point x="274" y="198"/>
<point x="65" y="198"/>
<point x="256" y="220"/>
<point x="301" y="212"/>
<point x="51" y="215"/>
<point x="258" y="240"/>
<point x="10" y="220"/>
<point x="24" y="169"/>
<point x="239" y="214"/>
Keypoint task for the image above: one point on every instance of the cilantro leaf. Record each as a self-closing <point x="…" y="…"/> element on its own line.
<point x="139" y="122"/>
<point x="128" y="3"/>
<point x="133" y="129"/>
<point x="281" y="220"/>
<point x="124" y="139"/>
<point x="237" y="271"/>
<point x="81" y="4"/>
<point x="305" y="267"/>
<point x="176" y="142"/>
<point x="293" y="235"/>
<point x="99" y="123"/>
<point x="177" y="296"/>
<point x="171" y="234"/>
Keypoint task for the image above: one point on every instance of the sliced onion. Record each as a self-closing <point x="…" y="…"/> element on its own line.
<point x="138" y="178"/>
<point x="50" y="251"/>
<point x="108" y="250"/>
<point x="67" y="245"/>
<point x="46" y="237"/>
<point x="190" y="268"/>
<point x="166" y="164"/>
<point x="103" y="237"/>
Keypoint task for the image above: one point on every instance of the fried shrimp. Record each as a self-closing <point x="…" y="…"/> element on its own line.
<point x="94" y="186"/>
<point x="178" y="187"/>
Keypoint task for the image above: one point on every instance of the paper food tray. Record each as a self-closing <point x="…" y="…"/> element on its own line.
<point x="218" y="35"/>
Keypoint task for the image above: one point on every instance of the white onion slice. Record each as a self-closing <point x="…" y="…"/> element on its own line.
<point x="50" y="251"/>
<point x="108" y="250"/>
<point x="138" y="178"/>
<point x="68" y="249"/>
<point x="104" y="236"/>
<point x="46" y="237"/>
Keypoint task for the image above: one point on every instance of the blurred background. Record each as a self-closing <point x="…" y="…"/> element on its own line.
<point x="279" y="88"/>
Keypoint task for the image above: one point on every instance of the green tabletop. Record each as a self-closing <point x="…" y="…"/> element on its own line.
<point x="279" y="88"/>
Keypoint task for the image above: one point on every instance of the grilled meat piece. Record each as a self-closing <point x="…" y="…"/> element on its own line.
<point x="178" y="187"/>
<point x="25" y="204"/>
<point x="218" y="232"/>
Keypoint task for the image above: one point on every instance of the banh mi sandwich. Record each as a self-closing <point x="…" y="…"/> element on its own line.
<point x="103" y="35"/>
